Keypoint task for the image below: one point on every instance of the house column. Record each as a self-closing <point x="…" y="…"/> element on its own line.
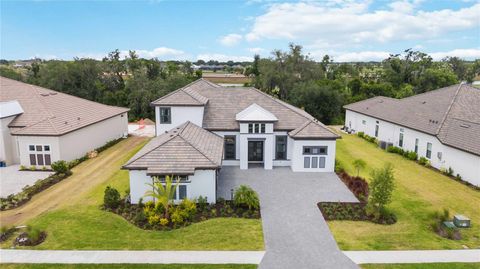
<point x="243" y="151"/>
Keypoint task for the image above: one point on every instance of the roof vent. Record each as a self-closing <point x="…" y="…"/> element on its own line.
<point x="424" y="102"/>
<point x="78" y="118"/>
<point x="464" y="125"/>
<point x="66" y="122"/>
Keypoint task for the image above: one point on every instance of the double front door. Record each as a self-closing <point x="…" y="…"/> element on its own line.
<point x="255" y="151"/>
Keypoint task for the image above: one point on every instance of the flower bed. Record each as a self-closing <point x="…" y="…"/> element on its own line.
<point x="15" y="200"/>
<point x="145" y="215"/>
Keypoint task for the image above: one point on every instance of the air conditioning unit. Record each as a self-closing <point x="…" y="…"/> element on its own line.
<point x="461" y="221"/>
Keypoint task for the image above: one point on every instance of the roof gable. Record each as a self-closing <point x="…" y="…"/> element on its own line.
<point x="255" y="113"/>
<point x="186" y="96"/>
<point x="179" y="151"/>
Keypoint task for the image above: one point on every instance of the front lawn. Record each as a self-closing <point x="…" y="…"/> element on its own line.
<point x="420" y="192"/>
<point x="82" y="224"/>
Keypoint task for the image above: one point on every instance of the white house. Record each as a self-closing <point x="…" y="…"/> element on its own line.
<point x="441" y="125"/>
<point x="40" y="126"/>
<point x="254" y="130"/>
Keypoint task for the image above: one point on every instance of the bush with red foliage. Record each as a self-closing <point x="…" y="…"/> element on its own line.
<point x="357" y="185"/>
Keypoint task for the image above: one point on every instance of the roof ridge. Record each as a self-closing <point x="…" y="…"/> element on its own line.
<point x="444" y="118"/>
<point x="375" y="97"/>
<point x="182" y="89"/>
<point x="427" y="92"/>
<point x="168" y="139"/>
<point x="299" y="129"/>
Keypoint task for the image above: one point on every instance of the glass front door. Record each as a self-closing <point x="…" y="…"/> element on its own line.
<point x="255" y="151"/>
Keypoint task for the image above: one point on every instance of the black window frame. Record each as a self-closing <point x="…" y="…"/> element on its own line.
<point x="162" y="115"/>
<point x="284" y="143"/>
<point x="31" y="147"/>
<point x="310" y="150"/>
<point x="181" y="195"/>
<point x="226" y="144"/>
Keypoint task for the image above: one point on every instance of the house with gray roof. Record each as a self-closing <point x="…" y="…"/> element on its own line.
<point x="40" y="126"/>
<point x="203" y="127"/>
<point x="441" y="125"/>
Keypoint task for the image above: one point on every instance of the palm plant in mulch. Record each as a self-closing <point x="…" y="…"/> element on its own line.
<point x="163" y="193"/>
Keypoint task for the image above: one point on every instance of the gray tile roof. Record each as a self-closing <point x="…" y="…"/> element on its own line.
<point x="312" y="130"/>
<point x="186" y="96"/>
<point x="51" y="113"/>
<point x="223" y="103"/>
<point x="179" y="151"/>
<point x="444" y="113"/>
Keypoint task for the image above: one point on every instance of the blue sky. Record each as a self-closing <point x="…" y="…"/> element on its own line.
<point x="348" y="30"/>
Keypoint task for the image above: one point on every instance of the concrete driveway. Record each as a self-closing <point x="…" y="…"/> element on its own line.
<point x="296" y="235"/>
<point x="12" y="180"/>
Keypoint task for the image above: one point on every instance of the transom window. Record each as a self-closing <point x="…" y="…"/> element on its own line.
<point x="39" y="155"/>
<point x="165" y="115"/>
<point x="256" y="128"/>
<point x="281" y="147"/>
<point x="315" y="150"/>
<point x="230" y="146"/>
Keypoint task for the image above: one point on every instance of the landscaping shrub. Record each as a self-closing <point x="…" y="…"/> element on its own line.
<point x="246" y="197"/>
<point x="353" y="211"/>
<point x="111" y="198"/>
<point x="424" y="161"/>
<point x="381" y="188"/>
<point x="368" y="138"/>
<point x="393" y="149"/>
<point x="357" y="185"/>
<point x="60" y="167"/>
<point x="339" y="166"/>
<point x="31" y="237"/>
<point x="359" y="164"/>
<point x="361" y="134"/>
<point x="412" y="155"/>
<point x="439" y="228"/>
<point x="202" y="202"/>
<point x="6" y="232"/>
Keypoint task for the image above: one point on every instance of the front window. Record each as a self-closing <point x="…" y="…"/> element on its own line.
<point x="230" y="145"/>
<point x="429" y="150"/>
<point x="281" y="147"/>
<point x="315" y="150"/>
<point x="181" y="192"/>
<point x="39" y="155"/>
<point x="416" y="145"/>
<point x="256" y="128"/>
<point x="400" y="140"/>
<point x="165" y="115"/>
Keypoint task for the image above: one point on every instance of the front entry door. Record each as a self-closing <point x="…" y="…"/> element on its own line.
<point x="255" y="151"/>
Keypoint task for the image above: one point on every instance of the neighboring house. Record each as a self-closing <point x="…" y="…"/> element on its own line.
<point x="205" y="126"/>
<point x="40" y="126"/>
<point x="442" y="125"/>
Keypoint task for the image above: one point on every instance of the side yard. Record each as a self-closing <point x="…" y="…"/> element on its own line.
<point x="419" y="193"/>
<point x="77" y="222"/>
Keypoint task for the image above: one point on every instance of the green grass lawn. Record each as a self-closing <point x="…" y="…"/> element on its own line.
<point x="83" y="225"/>
<point x="419" y="192"/>
<point x="423" y="266"/>
<point x="128" y="266"/>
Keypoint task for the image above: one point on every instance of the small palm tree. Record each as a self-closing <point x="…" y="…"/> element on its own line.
<point x="359" y="164"/>
<point x="163" y="193"/>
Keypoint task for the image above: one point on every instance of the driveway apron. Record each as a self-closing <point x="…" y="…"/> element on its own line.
<point x="296" y="235"/>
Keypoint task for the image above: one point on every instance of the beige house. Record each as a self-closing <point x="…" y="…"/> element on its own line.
<point x="40" y="126"/>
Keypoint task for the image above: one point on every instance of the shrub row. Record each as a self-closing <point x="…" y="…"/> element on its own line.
<point x="370" y="139"/>
<point x="62" y="171"/>
<point x="355" y="212"/>
<point x="357" y="185"/>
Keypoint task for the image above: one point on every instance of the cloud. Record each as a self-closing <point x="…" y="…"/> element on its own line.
<point x="230" y="39"/>
<point x="362" y="56"/>
<point x="160" y="52"/>
<point x="466" y="54"/>
<point x="256" y="50"/>
<point x="223" y="57"/>
<point x="351" y="23"/>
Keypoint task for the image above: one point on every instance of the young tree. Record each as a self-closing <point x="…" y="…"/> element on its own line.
<point x="359" y="164"/>
<point x="163" y="192"/>
<point x="381" y="187"/>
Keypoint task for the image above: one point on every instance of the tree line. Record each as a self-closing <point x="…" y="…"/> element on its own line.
<point x="321" y="88"/>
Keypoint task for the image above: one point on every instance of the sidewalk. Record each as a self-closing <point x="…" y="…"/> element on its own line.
<point x="133" y="257"/>
<point x="414" y="256"/>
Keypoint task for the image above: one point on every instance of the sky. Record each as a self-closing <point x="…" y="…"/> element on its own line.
<point x="347" y="30"/>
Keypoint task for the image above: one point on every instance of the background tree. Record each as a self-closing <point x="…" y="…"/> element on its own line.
<point x="359" y="164"/>
<point x="382" y="185"/>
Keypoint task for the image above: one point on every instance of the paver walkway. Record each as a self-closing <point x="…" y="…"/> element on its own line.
<point x="296" y="235"/>
<point x="414" y="256"/>
<point x="133" y="257"/>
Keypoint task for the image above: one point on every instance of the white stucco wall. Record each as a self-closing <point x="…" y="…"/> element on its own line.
<point x="25" y="141"/>
<point x="8" y="143"/>
<point x="298" y="157"/>
<point x="76" y="144"/>
<point x="463" y="163"/>
<point x="202" y="183"/>
<point x="179" y="115"/>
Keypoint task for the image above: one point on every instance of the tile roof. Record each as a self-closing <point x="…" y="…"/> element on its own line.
<point x="451" y="113"/>
<point x="179" y="151"/>
<point x="186" y="96"/>
<point x="51" y="113"/>
<point x="312" y="130"/>
<point x="224" y="103"/>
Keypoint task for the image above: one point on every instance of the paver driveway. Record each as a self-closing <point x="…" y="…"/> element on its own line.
<point x="296" y="235"/>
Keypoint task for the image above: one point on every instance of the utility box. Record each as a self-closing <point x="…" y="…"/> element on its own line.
<point x="461" y="221"/>
<point x="449" y="224"/>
